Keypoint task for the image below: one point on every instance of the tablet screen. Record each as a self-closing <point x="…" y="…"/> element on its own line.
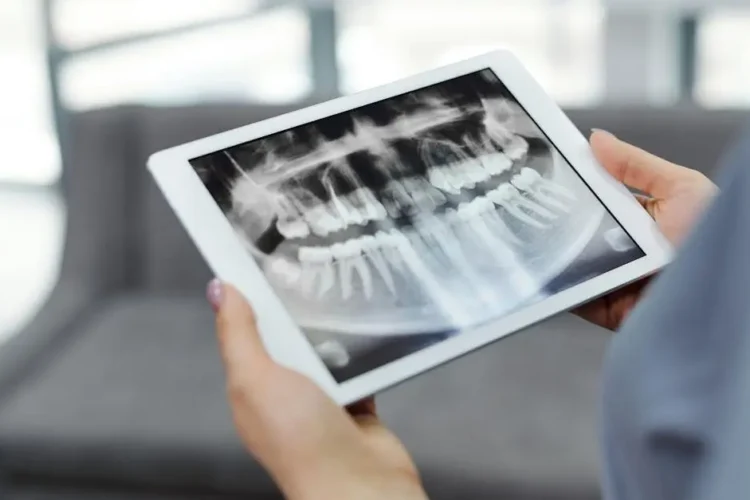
<point x="389" y="228"/>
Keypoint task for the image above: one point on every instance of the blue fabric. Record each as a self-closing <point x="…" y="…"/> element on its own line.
<point x="676" y="394"/>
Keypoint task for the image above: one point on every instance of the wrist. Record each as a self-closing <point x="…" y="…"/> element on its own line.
<point x="350" y="483"/>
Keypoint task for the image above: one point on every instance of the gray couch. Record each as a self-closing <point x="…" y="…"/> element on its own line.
<point x="115" y="390"/>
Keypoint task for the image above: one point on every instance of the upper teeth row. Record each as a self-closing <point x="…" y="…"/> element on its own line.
<point x="359" y="208"/>
<point x="468" y="173"/>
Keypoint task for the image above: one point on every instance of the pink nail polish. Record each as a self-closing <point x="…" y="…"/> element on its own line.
<point x="215" y="294"/>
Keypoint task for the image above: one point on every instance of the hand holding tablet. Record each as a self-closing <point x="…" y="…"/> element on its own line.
<point x="382" y="234"/>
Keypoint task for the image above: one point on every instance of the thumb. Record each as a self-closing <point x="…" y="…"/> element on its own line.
<point x="240" y="342"/>
<point x="633" y="166"/>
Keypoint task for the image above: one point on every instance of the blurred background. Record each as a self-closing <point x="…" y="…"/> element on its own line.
<point x="66" y="56"/>
<point x="639" y="63"/>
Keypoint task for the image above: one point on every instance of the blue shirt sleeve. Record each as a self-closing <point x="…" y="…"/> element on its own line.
<point x="676" y="394"/>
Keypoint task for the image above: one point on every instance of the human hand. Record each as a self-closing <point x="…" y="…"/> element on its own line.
<point x="311" y="447"/>
<point x="675" y="197"/>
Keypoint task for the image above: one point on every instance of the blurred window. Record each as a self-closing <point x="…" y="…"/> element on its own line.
<point x="262" y="58"/>
<point x="27" y="139"/>
<point x="558" y="40"/>
<point x="723" y="64"/>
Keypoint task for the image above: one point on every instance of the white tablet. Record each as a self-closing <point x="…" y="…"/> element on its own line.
<point x="384" y="233"/>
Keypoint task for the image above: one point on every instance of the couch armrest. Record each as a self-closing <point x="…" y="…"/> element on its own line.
<point x="67" y="303"/>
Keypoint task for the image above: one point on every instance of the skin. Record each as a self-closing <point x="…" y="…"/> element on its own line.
<point x="314" y="449"/>
<point x="674" y="196"/>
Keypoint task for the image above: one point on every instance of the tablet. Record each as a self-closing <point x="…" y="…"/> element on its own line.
<point x="384" y="233"/>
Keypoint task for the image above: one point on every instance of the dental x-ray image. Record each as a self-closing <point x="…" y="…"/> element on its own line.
<point x="394" y="226"/>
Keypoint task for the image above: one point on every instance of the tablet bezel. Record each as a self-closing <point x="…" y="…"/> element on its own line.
<point x="230" y="261"/>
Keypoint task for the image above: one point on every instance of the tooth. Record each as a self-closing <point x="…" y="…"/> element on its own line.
<point x="350" y="259"/>
<point x="339" y="210"/>
<point x="425" y="196"/>
<point x="535" y="207"/>
<point x="373" y="210"/>
<point x="468" y="214"/>
<point x="494" y="220"/>
<point x="327" y="274"/>
<point x="458" y="177"/>
<point x="517" y="148"/>
<point x="354" y="216"/>
<point x="506" y="196"/>
<point x="317" y="262"/>
<point x="340" y="254"/>
<point x="474" y="171"/>
<point x="497" y="163"/>
<point x="310" y="271"/>
<point x="550" y="186"/>
<point x="527" y="184"/>
<point x="439" y="179"/>
<point x="289" y="272"/>
<point x="321" y="222"/>
<point x="398" y="201"/>
<point x="371" y="249"/>
<point x="389" y="250"/>
<point x="524" y="183"/>
<point x="425" y="249"/>
<point x="446" y="240"/>
<point x="445" y="302"/>
<point x="359" y="265"/>
<point x="291" y="229"/>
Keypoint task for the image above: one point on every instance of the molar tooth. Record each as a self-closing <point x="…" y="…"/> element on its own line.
<point x="506" y="196"/>
<point x="496" y="222"/>
<point x="372" y="251"/>
<point x="516" y="148"/>
<point x="549" y="186"/>
<point x="424" y="276"/>
<point x="372" y="209"/>
<point x="340" y="253"/>
<point x="327" y="273"/>
<point x="496" y="163"/>
<point x="458" y="176"/>
<point x="424" y="194"/>
<point x="475" y="172"/>
<point x="359" y="265"/>
<point x="291" y="229"/>
<point x="440" y="180"/>
<point x="320" y="221"/>
<point x="535" y="207"/>
<point x="350" y="259"/>
<point x="526" y="184"/>
<point x="398" y="200"/>
<point x="446" y="240"/>
<point x="354" y="215"/>
<point x="388" y="248"/>
<point x="289" y="272"/>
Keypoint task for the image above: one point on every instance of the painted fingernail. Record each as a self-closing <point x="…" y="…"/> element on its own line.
<point x="601" y="131"/>
<point x="215" y="294"/>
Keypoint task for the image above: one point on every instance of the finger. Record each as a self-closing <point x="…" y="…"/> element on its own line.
<point x="364" y="413"/>
<point x="363" y="408"/>
<point x="239" y="340"/>
<point x="649" y="204"/>
<point x="633" y="166"/>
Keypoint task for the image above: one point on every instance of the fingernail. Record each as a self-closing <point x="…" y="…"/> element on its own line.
<point x="601" y="131"/>
<point x="215" y="294"/>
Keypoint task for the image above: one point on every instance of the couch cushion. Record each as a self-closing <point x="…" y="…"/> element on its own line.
<point x="137" y="399"/>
